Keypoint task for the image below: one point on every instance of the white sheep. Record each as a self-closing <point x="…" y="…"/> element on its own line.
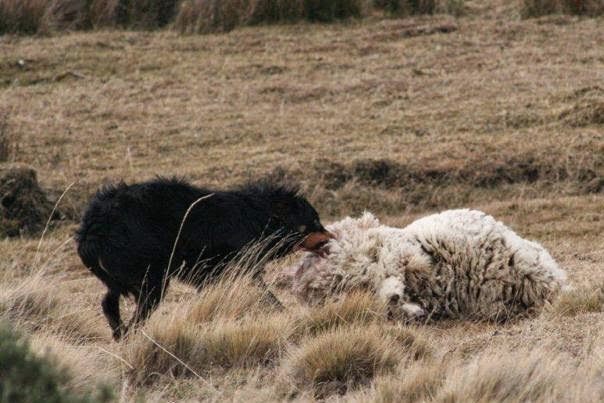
<point x="456" y="264"/>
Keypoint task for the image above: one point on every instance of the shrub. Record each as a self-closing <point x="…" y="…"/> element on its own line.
<point x="24" y="377"/>
<point x="536" y="8"/>
<point x="414" y="384"/>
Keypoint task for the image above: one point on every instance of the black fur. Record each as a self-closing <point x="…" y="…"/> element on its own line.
<point x="128" y="234"/>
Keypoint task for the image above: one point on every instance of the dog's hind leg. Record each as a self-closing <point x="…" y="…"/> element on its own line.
<point x="111" y="309"/>
<point x="149" y="298"/>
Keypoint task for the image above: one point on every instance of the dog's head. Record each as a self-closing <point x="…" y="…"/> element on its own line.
<point x="299" y="220"/>
<point x="293" y="216"/>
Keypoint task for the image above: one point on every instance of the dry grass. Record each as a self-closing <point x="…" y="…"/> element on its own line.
<point x="356" y="308"/>
<point x="22" y="16"/>
<point x="8" y="144"/>
<point x="419" y="382"/>
<point x="204" y="16"/>
<point x="582" y="300"/>
<point x="400" y="117"/>
<point x="342" y="359"/>
<point x="184" y="349"/>
<point x="48" y="16"/>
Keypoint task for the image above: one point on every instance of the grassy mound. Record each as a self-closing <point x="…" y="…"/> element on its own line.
<point x="24" y="207"/>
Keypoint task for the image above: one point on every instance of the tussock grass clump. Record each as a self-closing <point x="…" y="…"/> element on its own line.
<point x="414" y="384"/>
<point x="580" y="300"/>
<point x="23" y="203"/>
<point x="342" y="359"/>
<point x="205" y="16"/>
<point x="230" y="298"/>
<point x="505" y="376"/>
<point x="536" y="8"/>
<point x="355" y="308"/>
<point x="34" y="304"/>
<point x="415" y="345"/>
<point x="180" y="349"/>
<point x="29" y="302"/>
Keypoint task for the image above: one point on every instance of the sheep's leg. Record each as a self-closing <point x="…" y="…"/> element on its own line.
<point x="111" y="309"/>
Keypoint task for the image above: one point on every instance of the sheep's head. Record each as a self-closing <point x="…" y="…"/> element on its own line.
<point x="391" y="293"/>
<point x="323" y="273"/>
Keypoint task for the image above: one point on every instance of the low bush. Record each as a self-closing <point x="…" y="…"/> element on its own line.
<point x="25" y="377"/>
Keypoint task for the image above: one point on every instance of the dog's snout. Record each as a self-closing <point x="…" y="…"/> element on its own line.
<point x="394" y="299"/>
<point x="316" y="240"/>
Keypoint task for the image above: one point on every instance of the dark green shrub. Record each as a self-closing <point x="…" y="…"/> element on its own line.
<point x="25" y="377"/>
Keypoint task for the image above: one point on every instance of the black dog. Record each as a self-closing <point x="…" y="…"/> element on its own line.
<point x="134" y="238"/>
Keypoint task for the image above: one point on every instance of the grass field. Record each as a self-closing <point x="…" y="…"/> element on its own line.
<point x="401" y="117"/>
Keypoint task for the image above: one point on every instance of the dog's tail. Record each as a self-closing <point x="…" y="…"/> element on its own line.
<point x="89" y="236"/>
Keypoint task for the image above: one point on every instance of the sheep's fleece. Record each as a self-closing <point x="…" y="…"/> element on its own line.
<point x="456" y="264"/>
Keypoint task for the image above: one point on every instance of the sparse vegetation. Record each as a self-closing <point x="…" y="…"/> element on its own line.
<point x="399" y="117"/>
